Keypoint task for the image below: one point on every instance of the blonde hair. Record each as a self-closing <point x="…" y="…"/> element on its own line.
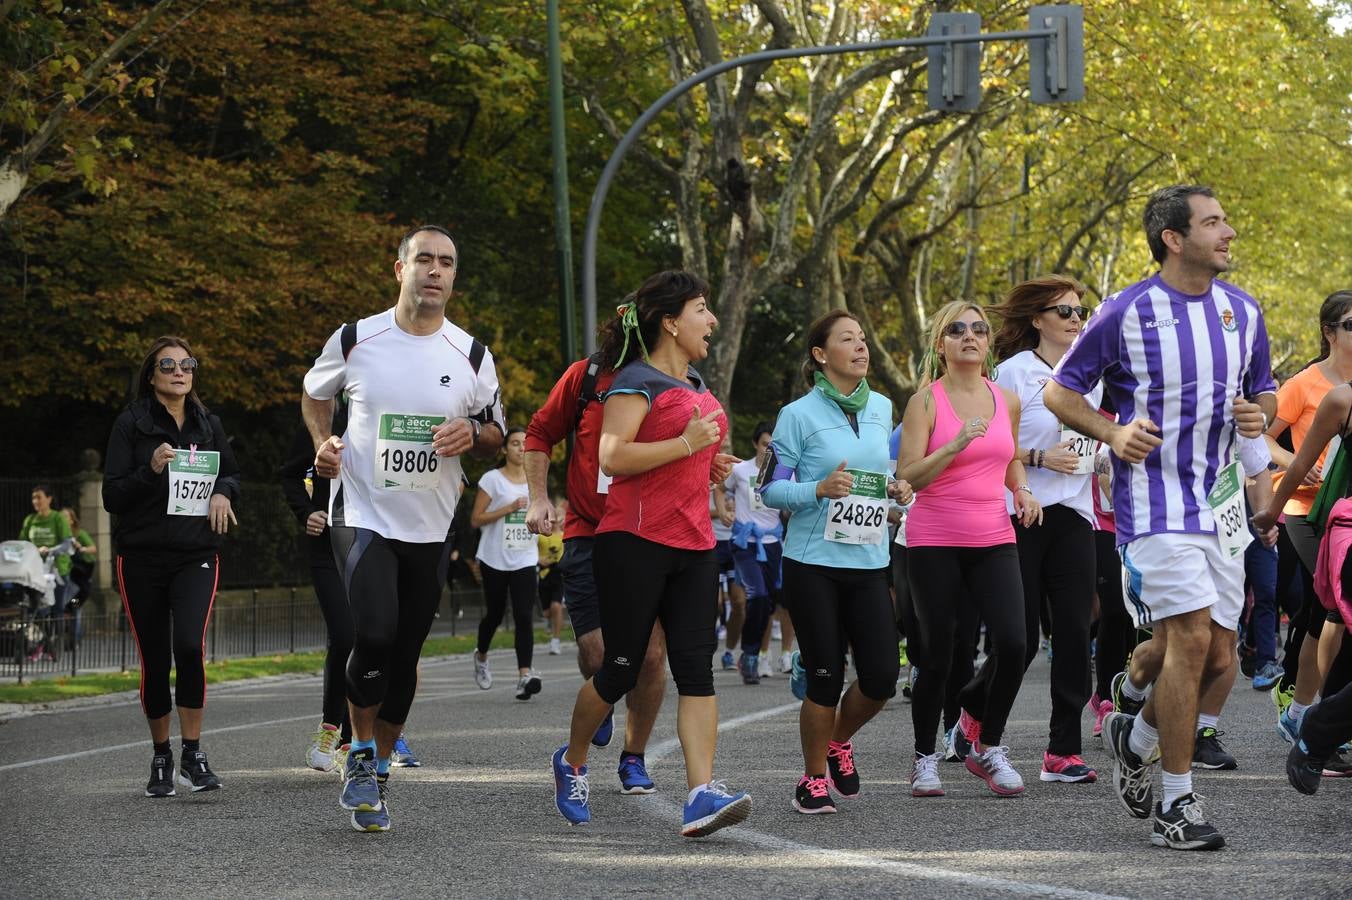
<point x="932" y="365"/>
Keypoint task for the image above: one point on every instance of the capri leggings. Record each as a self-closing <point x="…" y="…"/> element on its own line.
<point x="951" y="587"/>
<point x="393" y="589"/>
<point x="338" y="630"/>
<point x="833" y="608"/>
<point x="168" y="600"/>
<point x="640" y="582"/>
<point x="1116" y="629"/>
<point x="520" y="584"/>
<point x="964" y="648"/>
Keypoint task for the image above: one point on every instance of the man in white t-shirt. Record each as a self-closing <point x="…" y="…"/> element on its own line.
<point x="420" y="392"/>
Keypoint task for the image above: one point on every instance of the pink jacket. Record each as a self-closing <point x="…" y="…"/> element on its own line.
<point x="1333" y="549"/>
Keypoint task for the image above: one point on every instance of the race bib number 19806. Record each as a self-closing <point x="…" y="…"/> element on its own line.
<point x="405" y="460"/>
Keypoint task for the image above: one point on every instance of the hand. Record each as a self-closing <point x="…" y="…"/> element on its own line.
<point x="835" y="485"/>
<point x="721" y="467"/>
<point x="329" y="457"/>
<point x="1060" y="459"/>
<point x="1264" y="520"/>
<point x="1027" y="509"/>
<point x="453" y="438"/>
<point x="540" y="517"/>
<point x="702" y="432"/>
<point x="1248" y="418"/>
<point x="727" y="517"/>
<point x="1134" y="441"/>
<point x="900" y="491"/>
<point x="316" y="523"/>
<point x="42" y="551"/>
<point x="520" y="504"/>
<point x="1312" y="478"/>
<point x="163" y="455"/>
<point x="220" y="515"/>
<point x="970" y="431"/>
<point x="1268" y="538"/>
<point x="894" y="516"/>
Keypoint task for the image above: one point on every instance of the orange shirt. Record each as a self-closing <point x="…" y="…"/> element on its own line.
<point x="1297" y="401"/>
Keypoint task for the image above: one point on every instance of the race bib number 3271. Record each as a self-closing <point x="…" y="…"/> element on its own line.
<point x="405" y="460"/>
<point x="860" y="517"/>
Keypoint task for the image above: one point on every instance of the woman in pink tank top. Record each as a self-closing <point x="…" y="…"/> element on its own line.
<point x="958" y="451"/>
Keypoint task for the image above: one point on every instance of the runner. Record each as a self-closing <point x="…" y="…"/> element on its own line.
<point x="731" y="595"/>
<point x="654" y="557"/>
<point x="756" y="551"/>
<point x="421" y="392"/>
<point x="1041" y="319"/>
<point x="507" y="558"/>
<point x="1178" y="353"/>
<point x="171" y="479"/>
<point x="550" y="549"/>
<point x="957" y="450"/>
<point x="827" y="467"/>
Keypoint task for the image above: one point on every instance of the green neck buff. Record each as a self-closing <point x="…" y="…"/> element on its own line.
<point x="853" y="404"/>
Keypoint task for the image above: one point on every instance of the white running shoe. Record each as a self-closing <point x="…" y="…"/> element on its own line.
<point x="555" y="648"/>
<point x="785" y="663"/>
<point x="993" y="768"/>
<point x="482" y="677"/>
<point x="925" y="776"/>
<point x="323" y="746"/>
<point x="528" y="686"/>
<point x="765" y="669"/>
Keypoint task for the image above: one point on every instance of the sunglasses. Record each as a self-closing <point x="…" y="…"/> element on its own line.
<point x="958" y="329"/>
<point x="1064" y="310"/>
<point x="186" y="366"/>
<point x="1345" y="324"/>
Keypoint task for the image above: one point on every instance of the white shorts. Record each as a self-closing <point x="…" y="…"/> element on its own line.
<point x="1169" y="574"/>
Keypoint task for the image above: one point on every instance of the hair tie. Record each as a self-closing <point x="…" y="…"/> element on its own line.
<point x="629" y="325"/>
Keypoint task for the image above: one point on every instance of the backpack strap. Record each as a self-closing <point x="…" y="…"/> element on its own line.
<point x="348" y="339"/>
<point x="476" y="355"/>
<point x="588" y="392"/>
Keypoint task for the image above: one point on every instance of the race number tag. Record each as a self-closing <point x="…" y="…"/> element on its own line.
<point x="861" y="516"/>
<point x="405" y="460"/>
<point x="1227" y="505"/>
<point x="1083" y="447"/>
<point x="192" y="476"/>
<point x="12" y="554"/>
<point x="602" y="481"/>
<point x="516" y="537"/>
<point x="757" y="504"/>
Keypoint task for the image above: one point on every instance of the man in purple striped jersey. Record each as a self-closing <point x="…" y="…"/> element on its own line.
<point x="1184" y="358"/>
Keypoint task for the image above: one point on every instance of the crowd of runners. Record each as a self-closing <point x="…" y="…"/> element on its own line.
<point x="1125" y="486"/>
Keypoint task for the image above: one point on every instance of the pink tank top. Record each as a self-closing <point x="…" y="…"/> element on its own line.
<point x="965" y="505"/>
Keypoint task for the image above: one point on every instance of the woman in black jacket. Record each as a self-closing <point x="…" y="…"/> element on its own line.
<point x="170" y="478"/>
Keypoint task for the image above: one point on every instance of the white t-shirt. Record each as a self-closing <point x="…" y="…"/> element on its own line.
<point x="1026" y="375"/>
<point x="399" y="387"/>
<point x="505" y="544"/>
<point x="749" y="506"/>
<point x="721" y="531"/>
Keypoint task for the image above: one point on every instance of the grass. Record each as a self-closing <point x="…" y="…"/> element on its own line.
<point x="46" y="690"/>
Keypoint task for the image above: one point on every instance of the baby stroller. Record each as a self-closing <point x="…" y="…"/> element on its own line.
<point x="28" y="586"/>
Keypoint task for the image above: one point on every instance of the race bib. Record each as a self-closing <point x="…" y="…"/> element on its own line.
<point x="602" y="482"/>
<point x="1227" y="505"/>
<point x="757" y="504"/>
<point x="516" y="537"/>
<point x="12" y="554"/>
<point x="860" y="517"/>
<point x="192" y="476"/>
<point x="1083" y="447"/>
<point x="405" y="460"/>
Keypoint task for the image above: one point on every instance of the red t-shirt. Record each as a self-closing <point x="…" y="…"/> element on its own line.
<point x="669" y="504"/>
<point x="551" y="424"/>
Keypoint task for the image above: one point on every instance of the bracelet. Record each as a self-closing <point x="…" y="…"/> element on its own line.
<point x="1025" y="488"/>
<point x="474" y="424"/>
<point x="689" y="450"/>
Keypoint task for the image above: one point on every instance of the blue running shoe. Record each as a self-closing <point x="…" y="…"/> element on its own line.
<point x="798" y="676"/>
<point x="749" y="665"/>
<point x="402" y="757"/>
<point x="714" y="808"/>
<point x="1266" y="677"/>
<point x="634" y="776"/>
<point x="728" y="662"/>
<point x="378" y="820"/>
<point x="1288" y="727"/>
<point x="956" y="745"/>
<point x="571" y="794"/>
<point x="606" y="731"/>
<point x="360" y="791"/>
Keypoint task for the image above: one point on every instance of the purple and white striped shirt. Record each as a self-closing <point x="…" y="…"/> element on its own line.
<point x="1178" y="360"/>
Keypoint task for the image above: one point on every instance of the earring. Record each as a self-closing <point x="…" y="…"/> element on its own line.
<point x="673" y="332"/>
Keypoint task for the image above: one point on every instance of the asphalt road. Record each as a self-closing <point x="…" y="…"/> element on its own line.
<point x="477" y="819"/>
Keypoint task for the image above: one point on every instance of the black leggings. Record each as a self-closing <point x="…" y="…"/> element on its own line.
<point x="964" y="646"/>
<point x="168" y="602"/>
<point x="521" y="584"/>
<point x="338" y="630"/>
<point x="1294" y="577"/>
<point x="1057" y="562"/>
<point x="393" y="590"/>
<point x="834" y="608"/>
<point x="638" y="583"/>
<point x="952" y="588"/>
<point x="1116" y="629"/>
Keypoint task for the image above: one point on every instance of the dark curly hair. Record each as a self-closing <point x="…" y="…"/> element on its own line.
<point x="664" y="294"/>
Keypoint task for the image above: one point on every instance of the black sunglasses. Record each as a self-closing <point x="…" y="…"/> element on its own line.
<point x="187" y="365"/>
<point x="1345" y="324"/>
<point x="958" y="329"/>
<point x="1064" y="310"/>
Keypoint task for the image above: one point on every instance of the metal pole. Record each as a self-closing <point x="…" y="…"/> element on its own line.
<point x="291" y="625"/>
<point x="253" y="625"/>
<point x="563" y="229"/>
<point x="631" y="136"/>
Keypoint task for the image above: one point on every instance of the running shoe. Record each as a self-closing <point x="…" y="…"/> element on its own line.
<point x="763" y="661"/>
<point x="555" y="647"/>
<point x="634" y="776"/>
<point x="728" y="662"/>
<point x="840" y="770"/>
<point x="323" y="745"/>
<point x="1337" y="766"/>
<point x="571" y="795"/>
<point x="785" y="663"/>
<point x="1121" y="702"/>
<point x="902" y="658"/>
<point x="714" y="808"/>
<point x="1210" y="753"/>
<point x="340" y="760"/>
<point x="194" y="773"/>
<point x="1303" y="770"/>
<point x="1281" y="698"/>
<point x="376" y="819"/>
<point x="798" y="677"/>
<point x="1268" y="676"/>
<point x="970" y="727"/>
<point x="482" y="676"/>
<point x="956" y="745"/>
<point x="1184" y="827"/>
<point x="528" y="686"/>
<point x="925" y="776"/>
<point x="1101" y="713"/>
<point x="908" y="684"/>
<point x="749" y="666"/>
<point x="360" y="791"/>
<point x="161" y="783"/>
<point x="402" y="757"/>
<point x="605" y="731"/>
<point x="813" y="795"/>
<point x="1131" y="774"/>
<point x="1070" y="769"/>
<point x="993" y="767"/>
<point x="1288" y="727"/>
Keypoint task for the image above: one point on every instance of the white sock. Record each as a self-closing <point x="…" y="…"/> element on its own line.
<point x="1131" y="691"/>
<point x="1206" y="721"/>
<point x="1175" y="786"/>
<point x="1296" y="710"/>
<point x="695" y="790"/>
<point x="1144" y="738"/>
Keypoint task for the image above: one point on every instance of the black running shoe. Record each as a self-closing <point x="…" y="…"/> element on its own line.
<point x="1131" y="774"/>
<point x="1184" y="827"/>
<point x="1337" y="766"/>
<point x="1121" y="702"/>
<point x="1210" y="753"/>
<point x="1303" y="770"/>
<point x="195" y="774"/>
<point x="161" y="782"/>
<point x="813" y="795"/>
<point x="840" y="770"/>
